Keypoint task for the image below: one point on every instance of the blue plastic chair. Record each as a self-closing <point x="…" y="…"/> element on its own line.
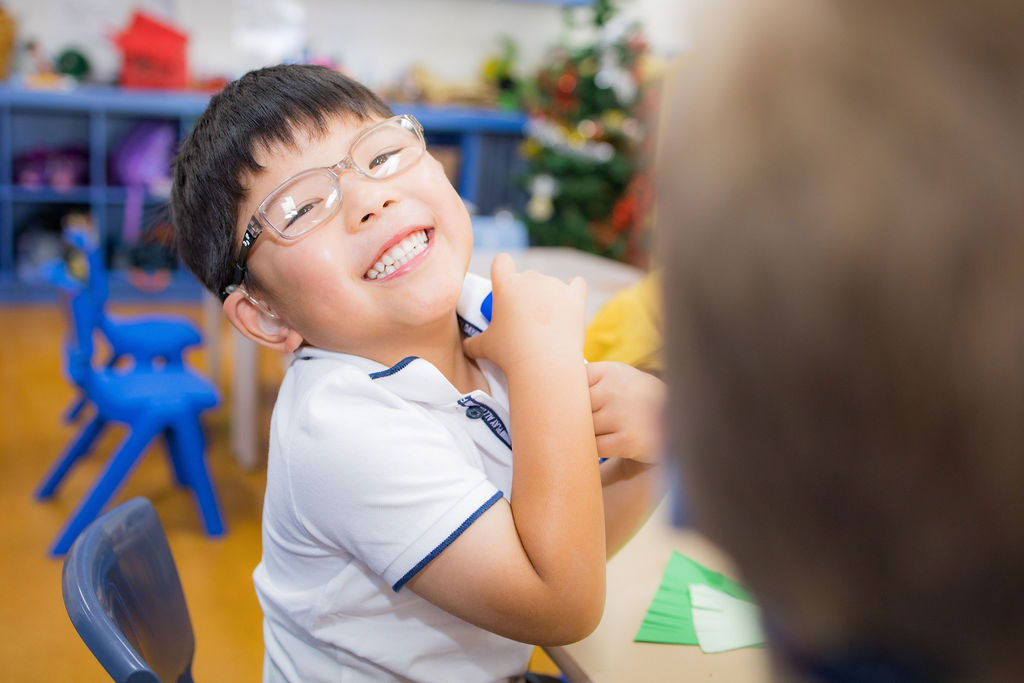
<point x="152" y="401"/>
<point x="123" y="595"/>
<point x="145" y="339"/>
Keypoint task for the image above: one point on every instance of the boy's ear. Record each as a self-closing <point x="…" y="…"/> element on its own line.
<point x="257" y="326"/>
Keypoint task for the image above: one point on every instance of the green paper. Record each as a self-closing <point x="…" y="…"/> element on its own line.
<point x="669" y="618"/>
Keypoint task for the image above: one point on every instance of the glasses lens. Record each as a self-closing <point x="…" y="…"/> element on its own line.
<point x="389" y="148"/>
<point x="299" y="206"/>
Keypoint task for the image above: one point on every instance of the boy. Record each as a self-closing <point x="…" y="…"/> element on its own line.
<point x="403" y="535"/>
<point x="845" y="228"/>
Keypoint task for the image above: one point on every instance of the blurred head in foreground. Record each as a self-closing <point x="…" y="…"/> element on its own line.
<point x="842" y="219"/>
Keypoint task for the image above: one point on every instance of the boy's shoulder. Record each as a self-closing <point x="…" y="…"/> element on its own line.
<point x="333" y="401"/>
<point x="323" y="389"/>
<point x="316" y="374"/>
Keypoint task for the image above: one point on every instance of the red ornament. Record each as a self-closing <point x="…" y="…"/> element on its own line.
<point x="623" y="213"/>
<point x="567" y="83"/>
<point x="604" y="234"/>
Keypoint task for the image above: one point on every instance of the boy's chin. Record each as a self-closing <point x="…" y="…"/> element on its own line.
<point x="432" y="307"/>
<point x="432" y="310"/>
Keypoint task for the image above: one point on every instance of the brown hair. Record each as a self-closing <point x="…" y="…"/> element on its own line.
<point x="842" y="214"/>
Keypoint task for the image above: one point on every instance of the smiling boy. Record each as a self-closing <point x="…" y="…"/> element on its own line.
<point x="404" y="535"/>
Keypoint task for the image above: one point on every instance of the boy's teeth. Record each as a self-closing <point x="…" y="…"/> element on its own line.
<point x="395" y="257"/>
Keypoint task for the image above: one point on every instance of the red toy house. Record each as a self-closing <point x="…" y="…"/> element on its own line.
<point x="153" y="54"/>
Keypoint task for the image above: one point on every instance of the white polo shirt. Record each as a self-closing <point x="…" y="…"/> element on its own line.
<point x="372" y="472"/>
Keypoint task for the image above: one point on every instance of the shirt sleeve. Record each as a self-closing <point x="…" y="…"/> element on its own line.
<point x="380" y="478"/>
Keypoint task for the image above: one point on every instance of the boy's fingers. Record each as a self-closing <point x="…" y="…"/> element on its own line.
<point x="595" y="371"/>
<point x="603" y="422"/>
<point x="609" y="445"/>
<point x="471" y="345"/>
<point x="501" y="267"/>
<point x="578" y="286"/>
<point x="598" y="400"/>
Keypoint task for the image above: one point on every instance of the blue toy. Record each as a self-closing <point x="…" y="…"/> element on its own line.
<point x="144" y="339"/>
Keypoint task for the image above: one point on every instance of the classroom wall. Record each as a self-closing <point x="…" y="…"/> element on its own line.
<point x="376" y="40"/>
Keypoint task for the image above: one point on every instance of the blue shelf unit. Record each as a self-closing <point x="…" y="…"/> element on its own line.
<point x="94" y="118"/>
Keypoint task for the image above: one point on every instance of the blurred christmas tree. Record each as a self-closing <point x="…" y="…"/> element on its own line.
<point x="584" y="178"/>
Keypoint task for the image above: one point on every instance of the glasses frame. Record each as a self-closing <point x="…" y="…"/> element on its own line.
<point x="258" y="221"/>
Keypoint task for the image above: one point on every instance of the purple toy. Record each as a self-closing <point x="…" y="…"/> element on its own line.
<point x="143" y="157"/>
<point x="60" y="169"/>
<point x="141" y="162"/>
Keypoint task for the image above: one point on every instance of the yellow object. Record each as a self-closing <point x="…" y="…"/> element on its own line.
<point x="628" y="328"/>
<point x="540" y="663"/>
<point x="7" y="41"/>
<point x="529" y="148"/>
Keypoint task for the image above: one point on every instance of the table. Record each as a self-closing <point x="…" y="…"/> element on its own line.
<point x="609" y="653"/>
<point x="604" y="279"/>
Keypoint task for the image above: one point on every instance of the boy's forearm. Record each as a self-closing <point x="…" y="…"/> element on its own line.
<point x="631" y="492"/>
<point x="556" y="488"/>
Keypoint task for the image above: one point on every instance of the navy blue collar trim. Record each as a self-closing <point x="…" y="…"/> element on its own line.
<point x="468" y="328"/>
<point x="394" y="368"/>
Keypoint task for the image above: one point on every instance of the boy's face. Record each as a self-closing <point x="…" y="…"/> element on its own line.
<point x="320" y="284"/>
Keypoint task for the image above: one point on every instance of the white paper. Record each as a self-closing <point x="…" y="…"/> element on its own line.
<point x="723" y="622"/>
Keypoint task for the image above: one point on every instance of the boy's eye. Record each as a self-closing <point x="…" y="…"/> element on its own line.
<point x="384" y="163"/>
<point x="298" y="213"/>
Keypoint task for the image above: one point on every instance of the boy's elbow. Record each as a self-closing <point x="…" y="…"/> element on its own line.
<point x="571" y="622"/>
<point x="570" y="631"/>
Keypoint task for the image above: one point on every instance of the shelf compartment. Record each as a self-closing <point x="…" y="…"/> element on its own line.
<point x="52" y="195"/>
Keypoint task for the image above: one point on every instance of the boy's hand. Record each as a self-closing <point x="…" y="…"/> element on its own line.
<point x="534" y="317"/>
<point x="627" y="405"/>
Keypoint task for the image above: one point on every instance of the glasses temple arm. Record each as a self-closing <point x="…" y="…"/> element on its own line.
<point x="252" y="231"/>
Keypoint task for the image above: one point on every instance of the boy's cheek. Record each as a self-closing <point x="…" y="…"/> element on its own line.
<point x="434" y="174"/>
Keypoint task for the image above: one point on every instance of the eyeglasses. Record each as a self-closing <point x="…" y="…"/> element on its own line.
<point x="312" y="197"/>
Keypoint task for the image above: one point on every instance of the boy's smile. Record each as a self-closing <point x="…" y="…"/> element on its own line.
<point x="401" y="253"/>
<point x="380" y="275"/>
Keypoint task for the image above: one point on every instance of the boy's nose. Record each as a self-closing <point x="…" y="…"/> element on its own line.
<point x="362" y="201"/>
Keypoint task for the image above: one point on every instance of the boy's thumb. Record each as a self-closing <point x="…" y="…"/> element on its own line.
<point x="473" y="346"/>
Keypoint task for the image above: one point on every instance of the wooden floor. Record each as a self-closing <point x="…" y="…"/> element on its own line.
<point x="37" y="641"/>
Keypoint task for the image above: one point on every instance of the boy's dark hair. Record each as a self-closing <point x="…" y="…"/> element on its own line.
<point x="260" y="111"/>
<point x="843" y="220"/>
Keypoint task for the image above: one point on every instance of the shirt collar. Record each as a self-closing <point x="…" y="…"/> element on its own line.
<point x="415" y="379"/>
